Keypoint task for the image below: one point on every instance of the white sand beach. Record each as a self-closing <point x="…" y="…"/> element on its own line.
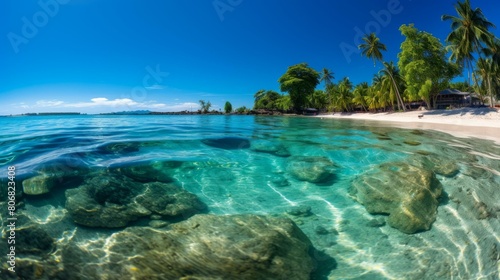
<point x="481" y="123"/>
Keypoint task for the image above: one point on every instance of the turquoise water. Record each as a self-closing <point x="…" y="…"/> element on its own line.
<point x="304" y="169"/>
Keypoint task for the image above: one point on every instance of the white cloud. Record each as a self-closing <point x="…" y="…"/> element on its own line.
<point x="48" y="103"/>
<point x="184" y="106"/>
<point x="101" y="101"/>
<point x="158" y="105"/>
<point x="114" y="105"/>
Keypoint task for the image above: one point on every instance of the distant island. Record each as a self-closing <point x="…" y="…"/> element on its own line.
<point x="147" y="112"/>
<point x="52" y="114"/>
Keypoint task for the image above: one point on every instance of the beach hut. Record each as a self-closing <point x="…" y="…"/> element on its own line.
<point x="310" y="112"/>
<point x="452" y="98"/>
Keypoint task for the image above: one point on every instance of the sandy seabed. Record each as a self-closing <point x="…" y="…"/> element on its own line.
<point x="481" y="123"/>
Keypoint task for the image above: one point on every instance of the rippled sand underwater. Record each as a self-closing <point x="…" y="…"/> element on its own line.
<point x="373" y="202"/>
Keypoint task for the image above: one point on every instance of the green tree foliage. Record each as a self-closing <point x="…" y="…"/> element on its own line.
<point x="205" y="106"/>
<point x="423" y="65"/>
<point x="259" y="94"/>
<point x="461" y="86"/>
<point x="242" y="110"/>
<point x="266" y="100"/>
<point x="392" y="82"/>
<point x="372" y="48"/>
<point x="327" y="77"/>
<point x="228" y="108"/>
<point x="299" y="82"/>
<point x="492" y="66"/>
<point x="360" y="95"/>
<point x="284" y="103"/>
<point x="318" y="99"/>
<point x="488" y="78"/>
<point x="469" y="32"/>
<point x="378" y="97"/>
<point x="342" y="96"/>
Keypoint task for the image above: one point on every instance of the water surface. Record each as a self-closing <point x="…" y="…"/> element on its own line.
<point x="242" y="164"/>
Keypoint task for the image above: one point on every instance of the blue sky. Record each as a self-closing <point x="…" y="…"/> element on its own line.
<point x="97" y="56"/>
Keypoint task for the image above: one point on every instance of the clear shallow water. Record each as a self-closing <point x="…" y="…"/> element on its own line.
<point x="463" y="242"/>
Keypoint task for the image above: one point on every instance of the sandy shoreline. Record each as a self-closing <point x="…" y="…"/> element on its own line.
<point x="481" y="123"/>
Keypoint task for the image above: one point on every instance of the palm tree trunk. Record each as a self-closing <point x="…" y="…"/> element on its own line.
<point x="398" y="96"/>
<point x="491" y="92"/>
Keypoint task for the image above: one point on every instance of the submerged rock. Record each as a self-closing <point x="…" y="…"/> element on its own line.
<point x="320" y="230"/>
<point x="113" y="201"/>
<point x="202" y="247"/>
<point x="407" y="193"/>
<point x="417" y="132"/>
<point x="158" y="224"/>
<point x="228" y="143"/>
<point x="313" y="169"/>
<point x="119" y="148"/>
<point x="279" y="181"/>
<point x="154" y="172"/>
<point x="376" y="222"/>
<point x="300" y="211"/>
<point x="33" y="240"/>
<point x="40" y="184"/>
<point x="412" y="142"/>
<point x="63" y="172"/>
<point x="439" y="165"/>
<point x="270" y="147"/>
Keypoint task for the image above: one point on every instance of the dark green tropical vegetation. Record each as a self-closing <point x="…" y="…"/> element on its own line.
<point x="205" y="106"/>
<point x="423" y="65"/>
<point x="424" y="68"/>
<point x="266" y="100"/>
<point x="228" y="108"/>
<point x="242" y="110"/>
<point x="299" y="82"/>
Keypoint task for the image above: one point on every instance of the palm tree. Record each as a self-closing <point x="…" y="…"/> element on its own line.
<point x="327" y="76"/>
<point x="488" y="73"/>
<point x="469" y="31"/>
<point x="343" y="96"/>
<point x="493" y="50"/>
<point x="371" y="99"/>
<point x="318" y="99"/>
<point x="360" y="93"/>
<point x="391" y="81"/>
<point x="379" y="97"/>
<point x="372" y="48"/>
<point x="259" y="95"/>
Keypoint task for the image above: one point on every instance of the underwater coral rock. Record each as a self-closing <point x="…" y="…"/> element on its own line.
<point x="111" y="200"/>
<point x="34" y="240"/>
<point x="228" y="143"/>
<point x="202" y="247"/>
<point x="300" y="211"/>
<point x="312" y="169"/>
<point x="270" y="147"/>
<point x="155" y="172"/>
<point x="40" y="184"/>
<point x="407" y="193"/>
